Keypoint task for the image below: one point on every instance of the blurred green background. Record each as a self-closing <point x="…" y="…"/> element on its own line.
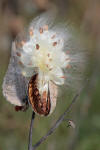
<point x="14" y="126"/>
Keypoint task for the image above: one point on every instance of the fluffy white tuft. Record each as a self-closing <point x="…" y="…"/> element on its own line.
<point x="46" y="50"/>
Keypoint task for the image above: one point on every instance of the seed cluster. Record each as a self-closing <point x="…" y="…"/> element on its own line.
<point x="40" y="104"/>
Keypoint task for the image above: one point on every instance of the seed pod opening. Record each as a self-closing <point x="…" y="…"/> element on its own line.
<point x="42" y="104"/>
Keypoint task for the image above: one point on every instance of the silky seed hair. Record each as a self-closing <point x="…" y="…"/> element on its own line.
<point x="46" y="49"/>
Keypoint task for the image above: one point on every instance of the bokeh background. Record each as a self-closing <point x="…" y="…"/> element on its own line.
<point x="14" y="126"/>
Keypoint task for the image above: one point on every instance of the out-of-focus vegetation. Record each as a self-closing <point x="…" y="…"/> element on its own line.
<point x="14" y="126"/>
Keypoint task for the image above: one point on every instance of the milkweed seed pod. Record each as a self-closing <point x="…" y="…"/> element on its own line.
<point x="39" y="64"/>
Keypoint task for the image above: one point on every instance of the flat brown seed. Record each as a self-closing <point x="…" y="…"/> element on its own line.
<point x="45" y="27"/>
<point x="31" y="32"/>
<point x="37" y="46"/>
<point x="22" y="43"/>
<point x="68" y="66"/>
<point x="63" y="77"/>
<point x="50" y="59"/>
<point x="18" y="54"/>
<point x="53" y="36"/>
<point x="41" y="30"/>
<point x="47" y="65"/>
<point x="20" y="63"/>
<point x="50" y="69"/>
<point x="54" y="43"/>
<point x="48" y="55"/>
<point x="44" y="95"/>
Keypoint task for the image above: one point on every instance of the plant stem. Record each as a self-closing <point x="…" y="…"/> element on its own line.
<point x="30" y="131"/>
